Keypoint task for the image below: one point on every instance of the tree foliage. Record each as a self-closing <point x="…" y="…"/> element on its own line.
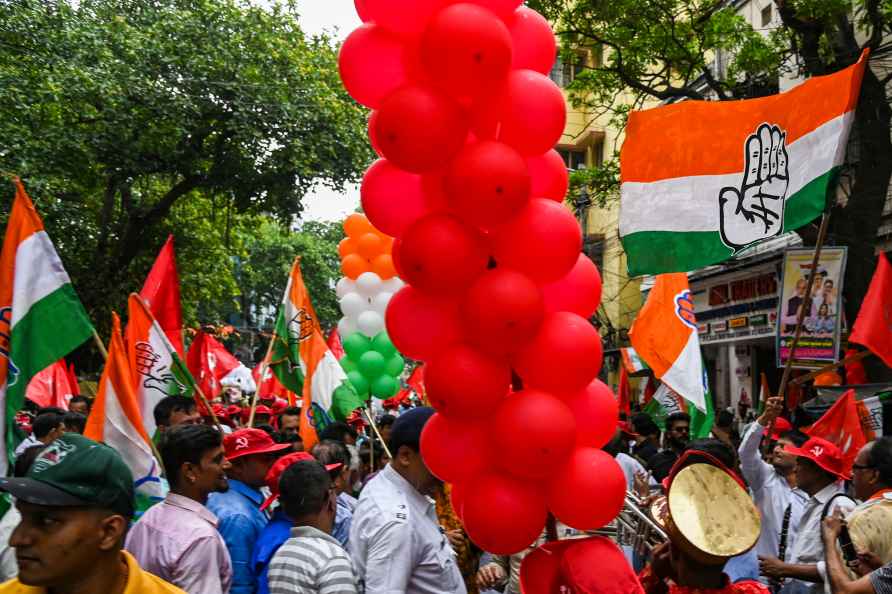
<point x="132" y="119"/>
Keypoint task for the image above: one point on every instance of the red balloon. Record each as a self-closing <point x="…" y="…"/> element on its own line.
<point x="502" y="311"/>
<point x="588" y="491"/>
<point x="579" y="291"/>
<point x="420" y="325"/>
<point x="533" y="432"/>
<point x="462" y="382"/>
<point x="503" y="515"/>
<point x="362" y="10"/>
<point x="371" y="64"/>
<point x="503" y="8"/>
<point x="564" y="356"/>
<point x="434" y="187"/>
<point x="373" y="140"/>
<point x="395" y="255"/>
<point x="402" y="16"/>
<point x="392" y="198"/>
<point x="534" y="44"/>
<point x="543" y="241"/>
<point x="596" y="412"/>
<point x="419" y="129"/>
<point x="440" y="254"/>
<point x="533" y="112"/>
<point x="549" y="175"/>
<point x="488" y="183"/>
<point x="454" y="450"/>
<point x="466" y="49"/>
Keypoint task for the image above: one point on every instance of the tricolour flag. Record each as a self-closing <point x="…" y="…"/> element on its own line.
<point x="665" y="402"/>
<point x="155" y="366"/>
<point x="304" y="364"/>
<point x="161" y="292"/>
<point x="702" y="180"/>
<point x="631" y="361"/>
<point x="116" y="421"/>
<point x="665" y="335"/>
<point x="41" y="317"/>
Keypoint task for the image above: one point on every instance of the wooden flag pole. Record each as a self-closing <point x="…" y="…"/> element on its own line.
<point x="830" y="367"/>
<point x="210" y="410"/>
<point x="378" y="433"/>
<point x="100" y="345"/>
<point x="800" y="317"/>
<point x="264" y="365"/>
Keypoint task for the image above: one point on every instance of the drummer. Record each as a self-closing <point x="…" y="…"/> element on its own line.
<point x="710" y="518"/>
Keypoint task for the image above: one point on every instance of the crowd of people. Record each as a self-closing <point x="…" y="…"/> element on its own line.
<point x="250" y="512"/>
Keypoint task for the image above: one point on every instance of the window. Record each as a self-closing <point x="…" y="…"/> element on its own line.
<point x="766" y="16"/>
<point x="573" y="158"/>
<point x="563" y="73"/>
<point x="593" y="247"/>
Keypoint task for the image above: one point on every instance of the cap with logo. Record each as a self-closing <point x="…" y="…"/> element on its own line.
<point x="823" y="453"/>
<point x="74" y="471"/>
<point x="247" y="442"/>
<point x="781" y="426"/>
<point x="276" y="470"/>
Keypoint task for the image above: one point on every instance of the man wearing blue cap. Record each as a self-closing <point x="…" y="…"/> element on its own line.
<point x="395" y="540"/>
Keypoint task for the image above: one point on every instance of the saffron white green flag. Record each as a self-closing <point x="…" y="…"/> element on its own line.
<point x="703" y="180"/>
<point x="41" y="317"/>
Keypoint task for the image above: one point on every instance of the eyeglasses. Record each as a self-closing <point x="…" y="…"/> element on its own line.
<point x="861" y="467"/>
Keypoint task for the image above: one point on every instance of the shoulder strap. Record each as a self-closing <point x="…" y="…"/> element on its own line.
<point x="829" y="504"/>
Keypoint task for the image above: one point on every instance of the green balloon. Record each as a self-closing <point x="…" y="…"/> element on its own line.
<point x="348" y="364"/>
<point x="395" y="365"/>
<point x="356" y="345"/>
<point x="385" y="386"/>
<point x="371" y="364"/>
<point x="360" y="384"/>
<point x="382" y="344"/>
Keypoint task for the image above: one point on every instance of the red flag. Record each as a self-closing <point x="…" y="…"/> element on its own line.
<point x="855" y="372"/>
<point x="650" y="389"/>
<point x="161" y="292"/>
<point x="268" y="384"/>
<point x="72" y="381"/>
<point x="50" y="387"/>
<point x="842" y="425"/>
<point x="335" y="345"/>
<point x="208" y="362"/>
<point x="624" y="393"/>
<point x="873" y="328"/>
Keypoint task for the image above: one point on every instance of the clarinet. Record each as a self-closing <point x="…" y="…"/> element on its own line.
<point x="782" y="547"/>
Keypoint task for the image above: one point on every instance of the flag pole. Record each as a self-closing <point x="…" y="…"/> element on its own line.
<point x="264" y="365"/>
<point x="800" y="316"/>
<point x="152" y="445"/>
<point x="378" y="433"/>
<point x="207" y="405"/>
<point x="830" y="367"/>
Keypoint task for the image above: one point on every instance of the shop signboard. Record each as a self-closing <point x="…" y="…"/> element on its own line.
<point x="819" y="341"/>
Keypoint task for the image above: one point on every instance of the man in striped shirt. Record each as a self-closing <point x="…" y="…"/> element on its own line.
<point x="311" y="561"/>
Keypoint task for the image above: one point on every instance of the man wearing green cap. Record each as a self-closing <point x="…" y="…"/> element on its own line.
<point x="76" y="503"/>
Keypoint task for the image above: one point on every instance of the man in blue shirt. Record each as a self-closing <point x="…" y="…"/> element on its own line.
<point x="251" y="453"/>
<point x="335" y="455"/>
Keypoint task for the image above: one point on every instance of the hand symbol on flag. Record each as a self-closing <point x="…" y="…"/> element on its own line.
<point x="755" y="211"/>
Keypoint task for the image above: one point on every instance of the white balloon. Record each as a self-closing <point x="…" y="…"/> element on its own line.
<point x="368" y="284"/>
<point x="380" y="301"/>
<point x="346" y="327"/>
<point x="370" y="323"/>
<point x="344" y="286"/>
<point x="353" y="304"/>
<point x="392" y="285"/>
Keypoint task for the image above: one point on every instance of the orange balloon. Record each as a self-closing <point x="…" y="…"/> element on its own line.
<point x="383" y="266"/>
<point x="354" y="265"/>
<point x="369" y="245"/>
<point x="346" y="247"/>
<point x="356" y="225"/>
<point x="387" y="244"/>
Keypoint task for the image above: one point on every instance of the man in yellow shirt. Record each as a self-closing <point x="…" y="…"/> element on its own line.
<point x="76" y="503"/>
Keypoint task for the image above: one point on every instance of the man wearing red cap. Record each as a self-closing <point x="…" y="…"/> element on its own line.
<point x="251" y="453"/>
<point x="773" y="484"/>
<point x="820" y="473"/>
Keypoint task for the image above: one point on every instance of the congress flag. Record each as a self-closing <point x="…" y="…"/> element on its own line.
<point x="161" y="292"/>
<point x="304" y="364"/>
<point x="155" y="366"/>
<point x="116" y="421"/>
<point x="665" y="336"/>
<point x="41" y="317"/>
<point x="703" y="180"/>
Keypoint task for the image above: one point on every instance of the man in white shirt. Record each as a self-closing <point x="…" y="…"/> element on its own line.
<point x="820" y="473"/>
<point x="773" y="484"/>
<point x="396" y="542"/>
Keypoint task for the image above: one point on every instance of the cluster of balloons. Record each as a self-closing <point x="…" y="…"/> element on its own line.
<point x="373" y="366"/>
<point x="369" y="278"/>
<point x="498" y="294"/>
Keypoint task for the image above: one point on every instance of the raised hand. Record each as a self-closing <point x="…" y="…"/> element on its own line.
<point x="755" y="211"/>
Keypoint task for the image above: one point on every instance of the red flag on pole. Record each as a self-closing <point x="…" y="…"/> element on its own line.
<point x="335" y="345"/>
<point x="161" y="292"/>
<point x="72" y="380"/>
<point x="873" y="328"/>
<point x="51" y="387"/>
<point x="842" y="425"/>
<point x="208" y="362"/>
<point x="268" y="384"/>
